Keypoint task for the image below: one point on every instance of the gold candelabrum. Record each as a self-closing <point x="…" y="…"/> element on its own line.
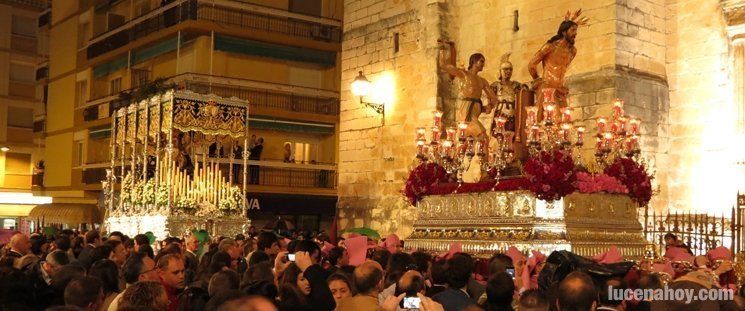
<point x="456" y="150"/>
<point x="552" y="129"/>
<point x="618" y="136"/>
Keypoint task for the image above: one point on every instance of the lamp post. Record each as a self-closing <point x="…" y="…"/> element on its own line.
<point x="360" y="88"/>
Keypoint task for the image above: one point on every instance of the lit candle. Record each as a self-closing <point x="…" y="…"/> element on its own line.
<point x="599" y="145"/>
<point x="500" y="121"/>
<point x="580" y="136"/>
<point x="601" y="124"/>
<point x="614" y="127"/>
<point x="532" y="111"/>
<point x="450" y="134"/>
<point x="565" y="132"/>
<point x="533" y="134"/>
<point x="479" y="147"/>
<point x="470" y="146"/>
<point x="607" y="139"/>
<point x="617" y="108"/>
<point x="622" y="125"/>
<point x="420" y="131"/>
<point x="566" y="115"/>
<point x="435" y="135"/>
<point x="437" y="118"/>
<point x="420" y="147"/>
<point x="634" y="126"/>
<point x="447" y="147"/>
<point x="549" y="108"/>
<point x="509" y="136"/>
<point x="462" y="130"/>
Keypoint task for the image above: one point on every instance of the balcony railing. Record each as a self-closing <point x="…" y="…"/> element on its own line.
<point x="262" y="173"/>
<point x="258" y="94"/>
<point x="226" y="12"/>
<point x="23" y="43"/>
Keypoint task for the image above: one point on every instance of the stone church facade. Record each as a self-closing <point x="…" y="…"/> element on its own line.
<point x="677" y="64"/>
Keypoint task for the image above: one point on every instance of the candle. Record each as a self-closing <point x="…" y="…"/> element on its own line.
<point x="447" y="146"/>
<point x="509" y="136"/>
<point x="549" y="108"/>
<point x="607" y="138"/>
<point x="450" y="134"/>
<point x="566" y="115"/>
<point x="479" y="148"/>
<point x="617" y="108"/>
<point x="462" y="130"/>
<point x="435" y="135"/>
<point x="532" y="112"/>
<point x="580" y="136"/>
<point x="469" y="146"/>
<point x="420" y="147"/>
<point x="533" y="134"/>
<point x="437" y="117"/>
<point x="622" y="125"/>
<point x="634" y="126"/>
<point x="601" y="124"/>
<point x="565" y="132"/>
<point x="614" y="127"/>
<point x="599" y="145"/>
<point x="420" y="131"/>
<point x="500" y="121"/>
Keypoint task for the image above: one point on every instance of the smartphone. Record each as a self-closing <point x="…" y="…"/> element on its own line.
<point x="411" y="302"/>
<point x="511" y="272"/>
<point x="291" y="257"/>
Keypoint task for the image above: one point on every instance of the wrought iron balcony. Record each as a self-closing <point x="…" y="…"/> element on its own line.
<point x="226" y="13"/>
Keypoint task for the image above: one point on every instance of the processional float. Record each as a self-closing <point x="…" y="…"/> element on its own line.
<point x="169" y="173"/>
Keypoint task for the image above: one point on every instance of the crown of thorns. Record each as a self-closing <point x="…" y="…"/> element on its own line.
<point x="576" y="17"/>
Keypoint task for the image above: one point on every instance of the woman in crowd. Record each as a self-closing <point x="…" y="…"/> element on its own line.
<point x="296" y="291"/>
<point x="108" y="272"/>
<point x="340" y="287"/>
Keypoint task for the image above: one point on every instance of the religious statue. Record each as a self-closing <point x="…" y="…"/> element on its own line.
<point x="556" y="55"/>
<point x="512" y="97"/>
<point x="471" y="85"/>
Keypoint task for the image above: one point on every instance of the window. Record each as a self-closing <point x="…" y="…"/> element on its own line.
<point x="79" y="151"/>
<point x="9" y="223"/>
<point x="20" y="117"/>
<point x="22" y="73"/>
<point x="81" y="91"/>
<point x="115" y="85"/>
<point x="25" y="26"/>
<point x="303" y="152"/>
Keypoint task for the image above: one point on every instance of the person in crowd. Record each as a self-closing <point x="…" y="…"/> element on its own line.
<point x="138" y="268"/>
<point x="499" y="292"/>
<point x="190" y="255"/>
<point x="303" y="284"/>
<point x="116" y="236"/>
<point x="533" y="300"/>
<point x="255" y="155"/>
<point x="141" y="240"/>
<point x="118" y="252"/>
<point x="60" y="281"/>
<point x="107" y="272"/>
<point x="92" y="241"/>
<point x="340" y="287"/>
<point x="576" y="292"/>
<point x="337" y="257"/>
<point x="458" y="271"/>
<point x="267" y="243"/>
<point x="437" y="278"/>
<point x="18" y="247"/>
<point x="289" y="156"/>
<point x="193" y="299"/>
<point x="248" y="303"/>
<point x="368" y="280"/>
<point x="41" y="274"/>
<point x="144" y="296"/>
<point x="63" y="243"/>
<point x="84" y="292"/>
<point x="171" y="272"/>
<point x="605" y="302"/>
<point x="222" y="281"/>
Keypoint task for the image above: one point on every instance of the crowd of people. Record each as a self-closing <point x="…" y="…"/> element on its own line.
<point x="308" y="271"/>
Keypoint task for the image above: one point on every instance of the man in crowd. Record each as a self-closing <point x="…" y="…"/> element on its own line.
<point x="368" y="278"/>
<point x="171" y="272"/>
<point x="84" y="292"/>
<point x="137" y="268"/>
<point x="92" y="240"/>
<point x="19" y="247"/>
<point x="458" y="273"/>
<point x="577" y="292"/>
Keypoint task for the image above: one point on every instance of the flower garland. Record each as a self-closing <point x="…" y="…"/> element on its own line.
<point x="551" y="174"/>
<point x="634" y="176"/>
<point x="232" y="204"/>
<point x="594" y="183"/>
<point x="186" y="205"/>
<point x="422" y="179"/>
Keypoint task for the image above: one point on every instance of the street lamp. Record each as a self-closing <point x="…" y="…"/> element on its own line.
<point x="360" y="88"/>
<point x="4" y="149"/>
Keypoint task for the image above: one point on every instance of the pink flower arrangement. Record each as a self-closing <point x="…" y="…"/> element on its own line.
<point x="594" y="183"/>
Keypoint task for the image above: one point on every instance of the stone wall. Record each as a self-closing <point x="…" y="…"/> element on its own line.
<point x="664" y="64"/>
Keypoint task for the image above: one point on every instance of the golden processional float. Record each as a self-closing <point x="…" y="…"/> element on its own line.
<point x="169" y="173"/>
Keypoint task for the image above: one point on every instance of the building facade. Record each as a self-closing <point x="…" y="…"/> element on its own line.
<point x="280" y="56"/>
<point x="676" y="64"/>
<point x="23" y="57"/>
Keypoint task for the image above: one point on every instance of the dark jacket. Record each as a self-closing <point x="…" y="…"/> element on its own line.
<point x="453" y="299"/>
<point x="320" y="298"/>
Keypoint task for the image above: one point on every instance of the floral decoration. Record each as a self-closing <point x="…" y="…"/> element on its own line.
<point x="633" y="175"/>
<point x="551" y="174"/>
<point x="594" y="183"/>
<point x="232" y="204"/>
<point x="422" y="179"/>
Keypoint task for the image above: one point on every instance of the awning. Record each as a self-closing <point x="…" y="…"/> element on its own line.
<point x="66" y="213"/>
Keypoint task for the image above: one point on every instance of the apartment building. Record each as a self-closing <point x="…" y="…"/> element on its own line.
<point x="281" y="56"/>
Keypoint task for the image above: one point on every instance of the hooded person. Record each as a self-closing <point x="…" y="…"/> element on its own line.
<point x="392" y="243"/>
<point x="532" y="269"/>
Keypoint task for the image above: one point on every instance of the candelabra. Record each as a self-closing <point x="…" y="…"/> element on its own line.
<point x="552" y="131"/>
<point x="456" y="151"/>
<point x="503" y="152"/>
<point x="619" y="137"/>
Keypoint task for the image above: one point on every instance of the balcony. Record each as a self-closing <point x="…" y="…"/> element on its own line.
<point x="273" y="176"/>
<point x="225" y="13"/>
<point x="22" y="43"/>
<point x="265" y="98"/>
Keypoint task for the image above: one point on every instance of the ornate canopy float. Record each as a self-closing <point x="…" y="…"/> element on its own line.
<point x="169" y="172"/>
<point x="519" y="180"/>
